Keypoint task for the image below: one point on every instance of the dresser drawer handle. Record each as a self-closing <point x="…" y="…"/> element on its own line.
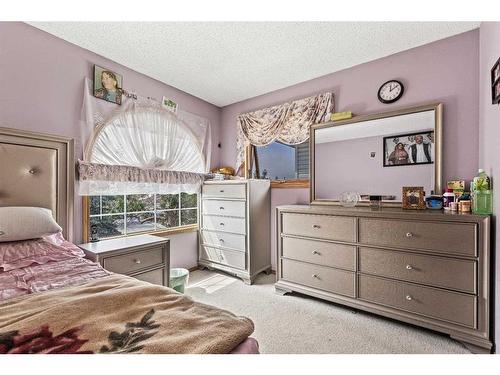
<point x="316" y="226"/>
<point x="221" y="240"/>
<point x="222" y="191"/>
<point x="315" y="252"/>
<point x="409" y="267"/>
<point x="409" y="234"/>
<point x="221" y="208"/>
<point x="137" y="261"/>
<point x="408" y="297"/>
<point x="315" y="276"/>
<point x="221" y="224"/>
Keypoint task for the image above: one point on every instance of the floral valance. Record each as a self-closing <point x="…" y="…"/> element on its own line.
<point x="288" y="122"/>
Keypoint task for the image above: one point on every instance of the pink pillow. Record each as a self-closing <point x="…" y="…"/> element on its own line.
<point x="52" y="248"/>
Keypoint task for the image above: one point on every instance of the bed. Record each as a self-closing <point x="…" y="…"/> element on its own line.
<point x="53" y="300"/>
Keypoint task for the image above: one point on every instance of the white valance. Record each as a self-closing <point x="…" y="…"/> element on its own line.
<point x="141" y="147"/>
<point x="288" y="123"/>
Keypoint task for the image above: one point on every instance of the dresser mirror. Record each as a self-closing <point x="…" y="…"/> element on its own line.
<point x="377" y="154"/>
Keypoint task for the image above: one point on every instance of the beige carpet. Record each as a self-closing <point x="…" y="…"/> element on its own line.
<point x="299" y="324"/>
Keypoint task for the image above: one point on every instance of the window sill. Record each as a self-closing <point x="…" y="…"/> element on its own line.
<point x="289" y="184"/>
<point x="163" y="233"/>
<point x="178" y="230"/>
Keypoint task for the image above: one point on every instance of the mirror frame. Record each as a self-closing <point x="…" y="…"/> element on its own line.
<point x="438" y="146"/>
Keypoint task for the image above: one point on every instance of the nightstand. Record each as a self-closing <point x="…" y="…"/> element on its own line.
<point x="144" y="257"/>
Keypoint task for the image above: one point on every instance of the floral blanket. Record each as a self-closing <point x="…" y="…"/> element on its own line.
<point x="117" y="314"/>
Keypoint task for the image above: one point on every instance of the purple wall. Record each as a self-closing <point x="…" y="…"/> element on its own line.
<point x="41" y="89"/>
<point x="489" y="136"/>
<point x="280" y="197"/>
<point x="41" y="81"/>
<point x="443" y="71"/>
<point x="348" y="166"/>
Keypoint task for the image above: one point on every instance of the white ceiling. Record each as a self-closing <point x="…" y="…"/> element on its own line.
<point x="227" y="62"/>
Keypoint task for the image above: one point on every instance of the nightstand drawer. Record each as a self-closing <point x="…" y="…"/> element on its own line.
<point x="135" y="261"/>
<point x="153" y="277"/>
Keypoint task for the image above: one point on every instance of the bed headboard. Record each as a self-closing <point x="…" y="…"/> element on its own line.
<point x="38" y="169"/>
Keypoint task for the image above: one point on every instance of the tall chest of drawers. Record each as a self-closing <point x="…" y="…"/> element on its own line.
<point x="426" y="268"/>
<point x="235" y="227"/>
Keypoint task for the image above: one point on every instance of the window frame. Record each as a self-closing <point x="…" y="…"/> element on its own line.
<point x="162" y="233"/>
<point x="247" y="166"/>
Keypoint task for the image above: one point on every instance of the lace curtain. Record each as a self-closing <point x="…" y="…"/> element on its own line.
<point x="142" y="148"/>
<point x="288" y="123"/>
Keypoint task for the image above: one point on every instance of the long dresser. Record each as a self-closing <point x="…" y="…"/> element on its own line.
<point x="235" y="222"/>
<point x="427" y="268"/>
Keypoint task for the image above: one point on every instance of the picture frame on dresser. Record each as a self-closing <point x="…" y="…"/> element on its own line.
<point x="413" y="198"/>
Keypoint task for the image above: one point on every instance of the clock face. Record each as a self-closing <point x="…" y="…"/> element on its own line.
<point x="390" y="91"/>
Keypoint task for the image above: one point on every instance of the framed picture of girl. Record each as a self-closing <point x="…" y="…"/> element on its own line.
<point x="107" y="85"/>
<point x="409" y="149"/>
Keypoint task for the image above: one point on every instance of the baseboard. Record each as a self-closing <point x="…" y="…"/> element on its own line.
<point x="195" y="268"/>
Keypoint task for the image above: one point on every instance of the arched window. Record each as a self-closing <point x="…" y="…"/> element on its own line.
<point x="149" y="139"/>
<point x="141" y="171"/>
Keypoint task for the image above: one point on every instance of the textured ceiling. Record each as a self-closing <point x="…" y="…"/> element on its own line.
<point x="227" y="62"/>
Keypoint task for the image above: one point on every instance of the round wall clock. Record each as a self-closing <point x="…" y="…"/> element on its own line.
<point x="390" y="91"/>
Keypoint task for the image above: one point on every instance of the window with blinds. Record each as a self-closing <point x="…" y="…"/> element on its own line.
<point x="302" y="160"/>
<point x="279" y="161"/>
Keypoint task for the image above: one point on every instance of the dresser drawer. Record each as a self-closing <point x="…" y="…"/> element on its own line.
<point x="230" y="258"/>
<point x="224" y="191"/>
<point x="431" y="270"/>
<point x="222" y="207"/>
<point x="318" y="252"/>
<point x="337" y="228"/>
<point x="319" y="277"/>
<point x="224" y="224"/>
<point x="459" y="238"/>
<point x="453" y="307"/>
<point x="137" y="260"/>
<point x="234" y="241"/>
<point x="153" y="277"/>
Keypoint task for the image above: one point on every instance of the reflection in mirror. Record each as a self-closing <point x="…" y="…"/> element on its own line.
<point x="377" y="156"/>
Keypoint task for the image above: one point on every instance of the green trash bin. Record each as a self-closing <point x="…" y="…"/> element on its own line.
<point x="178" y="279"/>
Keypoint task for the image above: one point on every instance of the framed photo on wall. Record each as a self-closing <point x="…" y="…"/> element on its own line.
<point x="495" y="83"/>
<point x="107" y="85"/>
<point x="409" y="149"/>
<point x="413" y="198"/>
<point x="169" y="104"/>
